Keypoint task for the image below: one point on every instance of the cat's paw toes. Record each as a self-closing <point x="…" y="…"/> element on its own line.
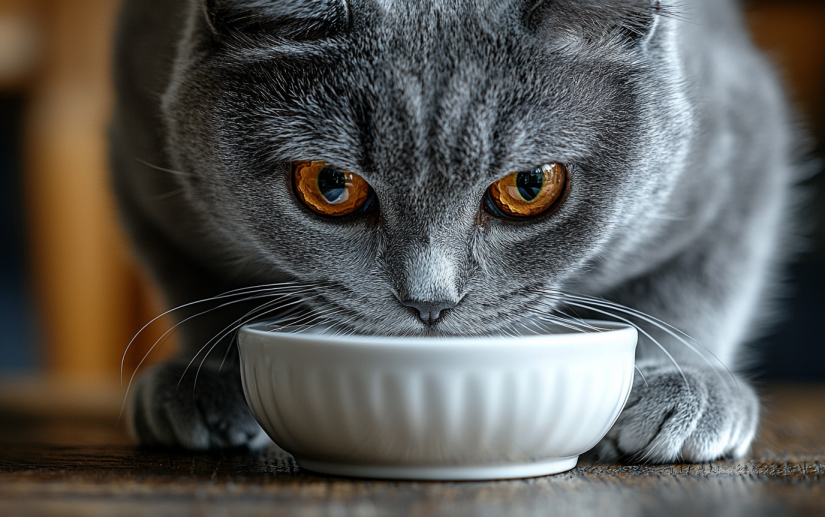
<point x="212" y="415"/>
<point x="665" y="420"/>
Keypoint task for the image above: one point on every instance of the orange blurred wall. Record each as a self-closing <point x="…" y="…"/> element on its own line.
<point x="91" y="296"/>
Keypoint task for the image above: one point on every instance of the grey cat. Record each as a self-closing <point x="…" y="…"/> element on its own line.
<point x="676" y="145"/>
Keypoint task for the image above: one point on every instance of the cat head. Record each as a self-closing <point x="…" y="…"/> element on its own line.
<point x="428" y="103"/>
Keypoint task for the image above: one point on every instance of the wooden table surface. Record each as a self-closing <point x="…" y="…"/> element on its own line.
<point x="70" y="461"/>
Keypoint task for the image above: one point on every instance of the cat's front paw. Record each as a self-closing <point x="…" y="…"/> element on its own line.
<point x="665" y="421"/>
<point x="165" y="411"/>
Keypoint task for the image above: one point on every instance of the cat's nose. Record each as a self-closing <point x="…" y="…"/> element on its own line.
<point x="429" y="312"/>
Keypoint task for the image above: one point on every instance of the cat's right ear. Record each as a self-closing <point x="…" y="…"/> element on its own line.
<point x="633" y="21"/>
<point x="291" y="19"/>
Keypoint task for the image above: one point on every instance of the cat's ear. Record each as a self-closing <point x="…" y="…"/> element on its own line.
<point x="634" y="21"/>
<point x="294" y="19"/>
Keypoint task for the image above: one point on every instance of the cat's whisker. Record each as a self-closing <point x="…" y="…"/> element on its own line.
<point x="226" y="354"/>
<point x="326" y="317"/>
<point x="508" y="332"/>
<point x="163" y="169"/>
<point x="233" y="341"/>
<point x="572" y="324"/>
<point x="231" y="328"/>
<point x="308" y="316"/>
<point x="641" y="331"/>
<point x="544" y="312"/>
<point x="335" y="323"/>
<point x="346" y="332"/>
<point x="227" y="294"/>
<point x="315" y="313"/>
<point x="224" y="305"/>
<point x="289" y="316"/>
<point x="247" y="318"/>
<point x="282" y="323"/>
<point x="168" y="195"/>
<point x="575" y="317"/>
<point x="577" y="323"/>
<point x="338" y="331"/>
<point x="664" y="326"/>
<point x="168" y="332"/>
<point x="561" y="322"/>
<point x="643" y="375"/>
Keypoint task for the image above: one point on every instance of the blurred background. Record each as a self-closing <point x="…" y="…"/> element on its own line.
<point x="71" y="297"/>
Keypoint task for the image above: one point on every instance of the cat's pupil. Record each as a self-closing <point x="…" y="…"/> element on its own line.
<point x="529" y="183"/>
<point x="331" y="183"/>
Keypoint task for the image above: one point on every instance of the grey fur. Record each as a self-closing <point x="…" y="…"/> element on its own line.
<point x="677" y="133"/>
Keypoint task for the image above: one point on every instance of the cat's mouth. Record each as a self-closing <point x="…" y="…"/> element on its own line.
<point x="469" y="316"/>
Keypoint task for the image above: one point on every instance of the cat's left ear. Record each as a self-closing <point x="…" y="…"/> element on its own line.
<point x="293" y="19"/>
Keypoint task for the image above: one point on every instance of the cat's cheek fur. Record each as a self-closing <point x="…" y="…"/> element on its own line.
<point x="165" y="411"/>
<point x="666" y="421"/>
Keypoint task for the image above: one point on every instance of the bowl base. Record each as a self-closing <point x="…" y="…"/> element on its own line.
<point x="451" y="473"/>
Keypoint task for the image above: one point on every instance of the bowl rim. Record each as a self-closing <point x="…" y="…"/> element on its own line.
<point x="611" y="328"/>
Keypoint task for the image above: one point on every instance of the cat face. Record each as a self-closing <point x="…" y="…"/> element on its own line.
<point x="430" y="103"/>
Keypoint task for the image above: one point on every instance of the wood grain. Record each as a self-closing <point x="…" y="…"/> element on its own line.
<point x="86" y="466"/>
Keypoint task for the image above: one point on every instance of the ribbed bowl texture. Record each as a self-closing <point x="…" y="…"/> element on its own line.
<point x="436" y="408"/>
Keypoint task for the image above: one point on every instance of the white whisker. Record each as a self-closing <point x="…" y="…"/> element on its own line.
<point x="643" y="375"/>
<point x="162" y="339"/>
<point x="572" y="324"/>
<point x="642" y="331"/>
<point x="243" y="320"/>
<point x="666" y="327"/>
<point x="170" y="194"/>
<point x="228" y="294"/>
<point x="162" y="169"/>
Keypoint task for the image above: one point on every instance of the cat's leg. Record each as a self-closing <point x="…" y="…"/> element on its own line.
<point x="695" y="407"/>
<point x="196" y="400"/>
<point x="688" y="408"/>
<point x="711" y="416"/>
<point x="193" y="404"/>
<point x="684" y="411"/>
<point x="167" y="409"/>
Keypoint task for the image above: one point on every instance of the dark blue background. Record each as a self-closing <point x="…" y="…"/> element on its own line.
<point x="17" y="348"/>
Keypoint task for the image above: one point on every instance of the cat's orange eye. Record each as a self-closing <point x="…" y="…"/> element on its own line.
<point x="329" y="191"/>
<point x="529" y="193"/>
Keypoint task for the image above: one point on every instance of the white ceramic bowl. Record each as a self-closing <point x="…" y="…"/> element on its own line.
<point x="434" y="408"/>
